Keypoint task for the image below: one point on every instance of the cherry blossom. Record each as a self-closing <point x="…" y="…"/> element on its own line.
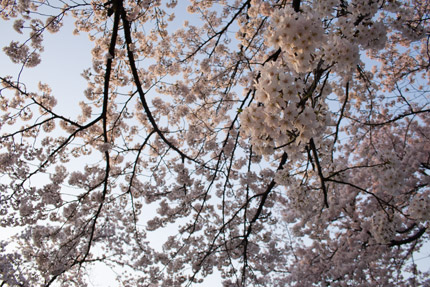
<point x="275" y="143"/>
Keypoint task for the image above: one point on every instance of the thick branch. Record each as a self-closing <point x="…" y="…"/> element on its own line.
<point x="296" y="5"/>
<point x="136" y="79"/>
<point x="265" y="195"/>
<point x="320" y="174"/>
<point x="105" y="136"/>
<point x="414" y="237"/>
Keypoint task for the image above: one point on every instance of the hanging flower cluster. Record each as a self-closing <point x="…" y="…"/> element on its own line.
<point x="299" y="35"/>
<point x="282" y="114"/>
<point x="419" y="208"/>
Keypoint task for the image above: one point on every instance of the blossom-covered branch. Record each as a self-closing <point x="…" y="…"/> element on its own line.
<point x="203" y="140"/>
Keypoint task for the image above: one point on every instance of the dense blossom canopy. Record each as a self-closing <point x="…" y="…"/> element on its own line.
<point x="281" y="143"/>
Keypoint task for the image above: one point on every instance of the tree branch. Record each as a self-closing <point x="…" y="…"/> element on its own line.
<point x="136" y="79"/>
<point x="414" y="237"/>
<point x="320" y="174"/>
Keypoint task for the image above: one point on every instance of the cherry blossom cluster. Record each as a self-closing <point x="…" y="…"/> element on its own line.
<point x="343" y="54"/>
<point x="281" y="113"/>
<point x="383" y="227"/>
<point x="20" y="53"/>
<point x="326" y="8"/>
<point x="419" y="208"/>
<point x="298" y="35"/>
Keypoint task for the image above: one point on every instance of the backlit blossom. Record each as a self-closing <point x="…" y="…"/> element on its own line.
<point x="257" y="143"/>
